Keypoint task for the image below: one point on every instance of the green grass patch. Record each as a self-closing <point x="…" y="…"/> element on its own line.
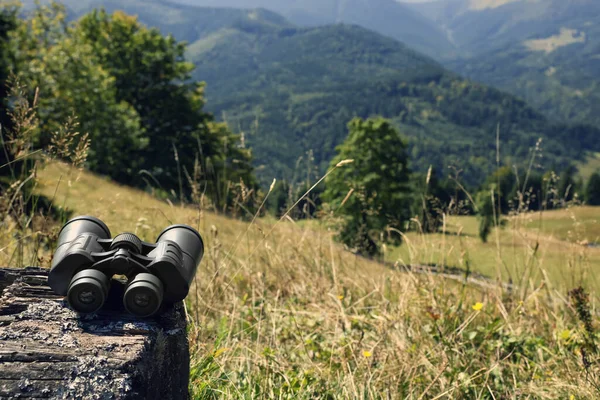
<point x="590" y="165"/>
<point x="279" y="310"/>
<point x="534" y="248"/>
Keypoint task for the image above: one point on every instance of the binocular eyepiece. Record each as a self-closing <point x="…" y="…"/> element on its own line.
<point x="87" y="258"/>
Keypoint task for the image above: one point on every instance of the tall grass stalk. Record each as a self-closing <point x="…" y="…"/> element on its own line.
<point x="290" y="314"/>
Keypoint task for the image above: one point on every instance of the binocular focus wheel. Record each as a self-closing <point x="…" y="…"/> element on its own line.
<point x="144" y="295"/>
<point x="88" y="291"/>
<point x="128" y="241"/>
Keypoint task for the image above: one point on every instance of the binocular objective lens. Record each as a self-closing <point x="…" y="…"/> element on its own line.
<point x="144" y="295"/>
<point x="88" y="291"/>
<point x="141" y="299"/>
<point x="87" y="297"/>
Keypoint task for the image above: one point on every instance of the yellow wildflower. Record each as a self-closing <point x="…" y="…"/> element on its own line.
<point x="220" y="351"/>
<point x="566" y="334"/>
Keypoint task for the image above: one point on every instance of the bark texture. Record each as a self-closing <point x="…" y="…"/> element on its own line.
<point x="49" y="351"/>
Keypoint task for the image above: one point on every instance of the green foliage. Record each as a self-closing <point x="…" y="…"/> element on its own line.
<point x="567" y="186"/>
<point x="151" y="74"/>
<point x="279" y="199"/>
<point x="503" y="182"/>
<point x="387" y="17"/>
<point x="295" y="89"/>
<point x="486" y="213"/>
<point x="562" y="82"/>
<point x="129" y="88"/>
<point x="434" y="197"/>
<point x="147" y="69"/>
<point x="71" y="82"/>
<point x="371" y="193"/>
<point x="592" y="192"/>
<point x="8" y="23"/>
<point x="310" y="204"/>
<point x="501" y="194"/>
<point x="531" y="190"/>
<point x="300" y="87"/>
<point x="505" y="192"/>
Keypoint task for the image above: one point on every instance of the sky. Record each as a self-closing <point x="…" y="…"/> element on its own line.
<point x="413" y="1"/>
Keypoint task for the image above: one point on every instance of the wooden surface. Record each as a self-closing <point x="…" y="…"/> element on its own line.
<point x="49" y="351"/>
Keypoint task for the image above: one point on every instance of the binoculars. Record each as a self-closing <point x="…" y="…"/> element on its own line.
<point x="87" y="258"/>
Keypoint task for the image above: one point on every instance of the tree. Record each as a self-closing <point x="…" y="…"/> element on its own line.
<point x="528" y="193"/>
<point x="504" y="182"/>
<point x="129" y="88"/>
<point x="73" y="86"/>
<point x="8" y="23"/>
<point x="307" y="207"/>
<point x="371" y="193"/>
<point x="152" y="75"/>
<point x="486" y="214"/>
<point x="592" y="192"/>
<point x="500" y="194"/>
<point x="433" y="200"/>
<point x="567" y="186"/>
<point x="279" y="198"/>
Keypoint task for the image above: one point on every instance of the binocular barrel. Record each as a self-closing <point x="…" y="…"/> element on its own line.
<point x="76" y="241"/>
<point x="87" y="258"/>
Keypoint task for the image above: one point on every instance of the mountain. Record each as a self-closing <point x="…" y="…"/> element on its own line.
<point x="545" y="51"/>
<point x="476" y="26"/>
<point x="185" y="23"/>
<point x="291" y="90"/>
<point x="387" y="17"/>
<point x="300" y="86"/>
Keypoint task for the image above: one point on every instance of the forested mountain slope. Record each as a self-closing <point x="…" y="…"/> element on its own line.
<point x="388" y="17"/>
<point x="300" y="86"/>
<point x="547" y="52"/>
<point x="292" y="90"/>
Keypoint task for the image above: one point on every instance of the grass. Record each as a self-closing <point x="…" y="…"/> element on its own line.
<point x="577" y="225"/>
<point x="532" y="248"/>
<point x="279" y="310"/>
<point x="589" y="166"/>
<point x="552" y="43"/>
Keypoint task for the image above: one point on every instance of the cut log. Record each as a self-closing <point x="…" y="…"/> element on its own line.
<point x="49" y="351"/>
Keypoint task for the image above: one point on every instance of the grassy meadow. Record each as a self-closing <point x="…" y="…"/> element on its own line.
<point x="554" y="248"/>
<point x="279" y="310"/>
<point x="588" y="166"/>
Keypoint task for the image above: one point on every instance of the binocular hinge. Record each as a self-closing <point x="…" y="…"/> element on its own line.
<point x="120" y="262"/>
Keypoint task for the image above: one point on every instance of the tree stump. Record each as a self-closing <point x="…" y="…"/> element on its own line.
<point x="49" y="351"/>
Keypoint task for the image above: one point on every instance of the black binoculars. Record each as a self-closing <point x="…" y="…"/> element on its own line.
<point x="87" y="258"/>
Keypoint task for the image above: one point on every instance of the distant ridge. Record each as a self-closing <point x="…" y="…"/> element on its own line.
<point x="292" y="90"/>
<point x="387" y="17"/>
<point x="500" y="46"/>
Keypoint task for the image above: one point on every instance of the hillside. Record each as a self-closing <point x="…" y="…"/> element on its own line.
<point x="298" y="88"/>
<point x="547" y="52"/>
<point x="477" y="26"/>
<point x="387" y="17"/>
<point x="292" y="90"/>
<point x="185" y="23"/>
<point x="279" y="310"/>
